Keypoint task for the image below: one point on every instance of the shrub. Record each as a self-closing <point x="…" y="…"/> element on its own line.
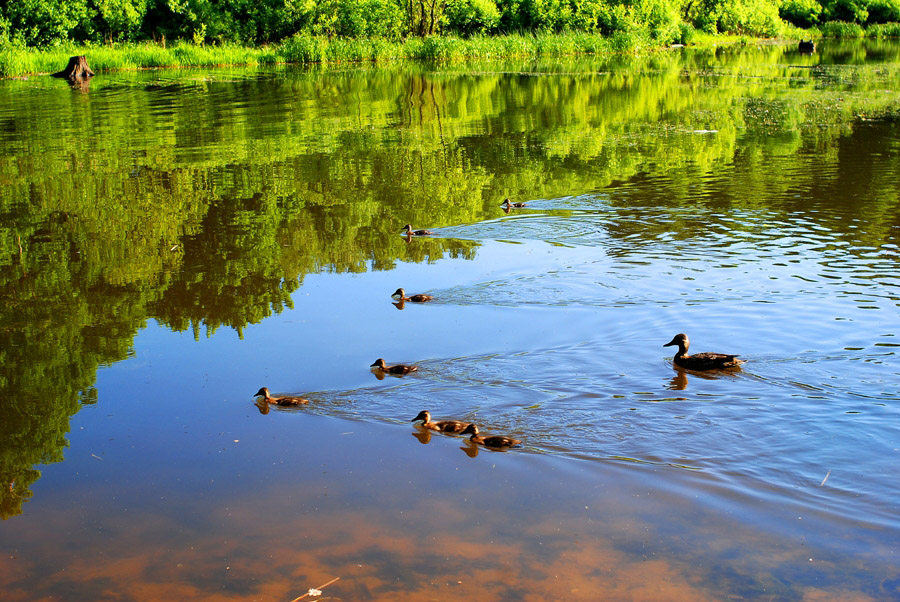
<point x="468" y="17"/>
<point x="802" y="13"/>
<point x="883" y="11"/>
<point x="850" y="11"/>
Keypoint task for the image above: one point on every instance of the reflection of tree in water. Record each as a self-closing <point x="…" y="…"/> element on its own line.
<point x="216" y="217"/>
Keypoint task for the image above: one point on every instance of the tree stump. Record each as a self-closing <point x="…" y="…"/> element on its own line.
<point x="76" y="69"/>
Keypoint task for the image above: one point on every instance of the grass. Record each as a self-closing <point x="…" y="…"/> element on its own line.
<point x="316" y="49"/>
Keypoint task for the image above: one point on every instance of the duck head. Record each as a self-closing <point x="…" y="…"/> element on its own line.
<point x="424" y="416"/>
<point x="379" y="363"/>
<point x="264" y="391"/>
<point x="399" y="293"/>
<point x="682" y="341"/>
<point x="470" y="430"/>
<point x="407" y="228"/>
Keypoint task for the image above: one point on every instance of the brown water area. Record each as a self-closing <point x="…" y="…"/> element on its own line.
<point x="188" y="237"/>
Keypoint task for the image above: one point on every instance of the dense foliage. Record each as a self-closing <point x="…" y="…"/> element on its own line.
<point x="42" y="23"/>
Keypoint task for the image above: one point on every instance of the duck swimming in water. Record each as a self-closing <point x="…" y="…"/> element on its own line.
<point x="280" y="400"/>
<point x="494" y="441"/>
<point x="700" y="361"/>
<point x="397" y="370"/>
<point x="508" y="203"/>
<point x="408" y="230"/>
<point x="418" y="298"/>
<point x="442" y="426"/>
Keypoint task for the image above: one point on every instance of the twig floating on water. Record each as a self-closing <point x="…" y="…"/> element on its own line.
<point x="315" y="591"/>
<point x="828" y="474"/>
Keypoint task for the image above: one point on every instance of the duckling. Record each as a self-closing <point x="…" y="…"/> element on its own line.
<point x="700" y="361"/>
<point x="495" y="441"/>
<point x="443" y="426"/>
<point x="417" y="298"/>
<point x="280" y="400"/>
<point x="408" y="230"/>
<point x="397" y="370"/>
<point x="508" y="203"/>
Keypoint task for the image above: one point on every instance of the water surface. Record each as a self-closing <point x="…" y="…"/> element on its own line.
<point x="182" y="238"/>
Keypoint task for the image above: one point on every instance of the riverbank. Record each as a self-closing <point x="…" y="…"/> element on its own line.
<point x="302" y="49"/>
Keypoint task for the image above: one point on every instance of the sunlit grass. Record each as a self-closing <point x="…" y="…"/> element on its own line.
<point x="303" y="48"/>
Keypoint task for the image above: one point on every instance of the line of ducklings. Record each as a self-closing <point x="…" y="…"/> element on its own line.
<point x="699" y="361"/>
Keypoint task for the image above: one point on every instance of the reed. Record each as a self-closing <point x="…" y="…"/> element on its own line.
<point x="883" y="30"/>
<point x="841" y="29"/>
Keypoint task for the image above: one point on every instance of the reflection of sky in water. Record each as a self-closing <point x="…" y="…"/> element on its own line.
<point x="299" y="500"/>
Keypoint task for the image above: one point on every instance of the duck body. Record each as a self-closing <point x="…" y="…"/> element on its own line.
<point x="280" y="400"/>
<point x="417" y="298"/>
<point x="442" y="426"/>
<point x="508" y="203"/>
<point x="806" y="46"/>
<point x="408" y="230"/>
<point x="493" y="441"/>
<point x="397" y="369"/>
<point x="700" y="361"/>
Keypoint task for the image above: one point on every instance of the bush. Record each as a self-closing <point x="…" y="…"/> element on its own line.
<point x="686" y="34"/>
<point x="850" y="11"/>
<point x="802" y="13"/>
<point x="883" y="11"/>
<point x="749" y="17"/>
<point x="468" y="17"/>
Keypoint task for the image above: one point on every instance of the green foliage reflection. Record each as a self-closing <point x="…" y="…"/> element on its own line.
<point x="202" y="200"/>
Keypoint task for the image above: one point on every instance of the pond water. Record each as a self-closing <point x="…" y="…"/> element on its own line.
<point x="174" y="240"/>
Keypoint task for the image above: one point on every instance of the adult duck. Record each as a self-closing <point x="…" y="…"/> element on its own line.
<point x="493" y="441"/>
<point x="397" y="369"/>
<point x="700" y="361"/>
<point x="508" y="203"/>
<point x="400" y="294"/>
<point x="280" y="400"/>
<point x="408" y="230"/>
<point x="442" y="426"/>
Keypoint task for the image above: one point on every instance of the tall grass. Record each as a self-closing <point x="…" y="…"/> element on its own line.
<point x="20" y="61"/>
<point x="841" y="29"/>
<point x="883" y="30"/>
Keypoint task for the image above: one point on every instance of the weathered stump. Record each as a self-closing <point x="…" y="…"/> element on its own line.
<point x="76" y="69"/>
<point x="806" y="46"/>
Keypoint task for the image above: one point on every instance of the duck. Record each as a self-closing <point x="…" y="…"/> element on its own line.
<point x="408" y="230"/>
<point x="280" y="400"/>
<point x="397" y="369"/>
<point x="700" y="361"/>
<point x="806" y="46"/>
<point x="443" y="426"/>
<point x="418" y="298"/>
<point x="508" y="203"/>
<point x="494" y="441"/>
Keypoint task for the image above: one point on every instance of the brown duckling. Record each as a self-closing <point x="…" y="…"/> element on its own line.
<point x="280" y="400"/>
<point x="417" y="298"/>
<point x="508" y="203"/>
<point x="443" y="426"/>
<point x="397" y="369"/>
<point x="495" y="441"/>
<point x="408" y="230"/>
<point x="700" y="361"/>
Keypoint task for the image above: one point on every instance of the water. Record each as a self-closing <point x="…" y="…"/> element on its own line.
<point x="184" y="238"/>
